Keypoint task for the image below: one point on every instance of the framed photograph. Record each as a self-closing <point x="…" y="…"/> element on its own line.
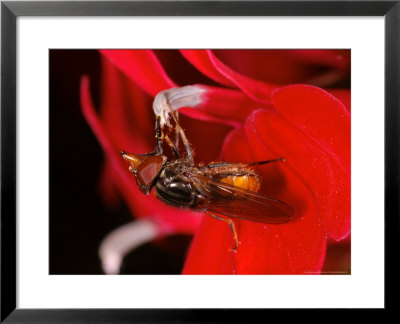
<point x="176" y="155"/>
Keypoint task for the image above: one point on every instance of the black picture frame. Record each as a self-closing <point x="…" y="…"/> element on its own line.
<point x="11" y="10"/>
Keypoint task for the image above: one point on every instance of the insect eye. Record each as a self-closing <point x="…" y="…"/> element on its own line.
<point x="149" y="169"/>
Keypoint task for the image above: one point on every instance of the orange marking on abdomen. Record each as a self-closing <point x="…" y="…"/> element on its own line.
<point x="249" y="182"/>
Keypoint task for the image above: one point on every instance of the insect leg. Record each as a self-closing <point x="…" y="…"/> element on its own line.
<point x="184" y="139"/>
<point x="232" y="227"/>
<point x="172" y="146"/>
<point x="159" y="135"/>
<point x="229" y="165"/>
<point x="265" y="162"/>
<point x="176" y="130"/>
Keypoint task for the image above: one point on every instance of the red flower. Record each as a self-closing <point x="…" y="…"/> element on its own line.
<point x="249" y="113"/>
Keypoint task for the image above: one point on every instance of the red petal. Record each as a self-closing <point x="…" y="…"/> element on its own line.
<point x="145" y="70"/>
<point x="180" y="69"/>
<point x="257" y="90"/>
<point x="209" y="251"/>
<point x="319" y="168"/>
<point x="287" y="66"/>
<point x="297" y="247"/>
<point x="201" y="60"/>
<point x="231" y="105"/>
<point x="343" y="95"/>
<point x="209" y="64"/>
<point x="303" y="239"/>
<point x="319" y="116"/>
<point x="141" y="66"/>
<point x="126" y="111"/>
<point x="335" y="58"/>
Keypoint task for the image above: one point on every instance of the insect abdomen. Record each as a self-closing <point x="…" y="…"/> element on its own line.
<point x="248" y="181"/>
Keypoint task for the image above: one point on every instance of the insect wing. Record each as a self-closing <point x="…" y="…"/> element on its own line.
<point x="231" y="201"/>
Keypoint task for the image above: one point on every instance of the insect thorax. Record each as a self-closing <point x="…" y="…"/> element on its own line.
<point x="173" y="187"/>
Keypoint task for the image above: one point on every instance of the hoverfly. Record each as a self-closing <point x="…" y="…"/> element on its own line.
<point x="223" y="190"/>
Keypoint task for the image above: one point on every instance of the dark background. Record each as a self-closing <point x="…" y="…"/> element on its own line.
<point x="78" y="218"/>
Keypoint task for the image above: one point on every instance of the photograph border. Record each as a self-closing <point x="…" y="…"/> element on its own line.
<point x="11" y="10"/>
